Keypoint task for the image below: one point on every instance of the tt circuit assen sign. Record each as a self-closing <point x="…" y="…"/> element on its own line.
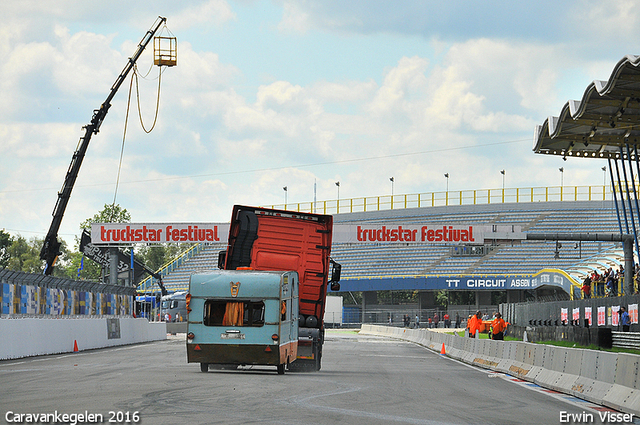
<point x="551" y="277"/>
<point x="157" y="233"/>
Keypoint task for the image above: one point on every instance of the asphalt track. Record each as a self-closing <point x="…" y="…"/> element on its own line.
<point x="364" y="380"/>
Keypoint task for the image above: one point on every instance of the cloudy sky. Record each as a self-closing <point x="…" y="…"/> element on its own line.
<point x="279" y="93"/>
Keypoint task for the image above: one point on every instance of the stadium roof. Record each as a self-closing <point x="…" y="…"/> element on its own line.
<point x="604" y="120"/>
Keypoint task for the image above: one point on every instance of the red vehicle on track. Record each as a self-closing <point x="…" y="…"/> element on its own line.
<point x="276" y="240"/>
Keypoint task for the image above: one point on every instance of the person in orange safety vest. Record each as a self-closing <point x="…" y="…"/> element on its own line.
<point x="474" y="324"/>
<point x="498" y="327"/>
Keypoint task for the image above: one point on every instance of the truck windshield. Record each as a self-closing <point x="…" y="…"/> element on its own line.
<point x="233" y="313"/>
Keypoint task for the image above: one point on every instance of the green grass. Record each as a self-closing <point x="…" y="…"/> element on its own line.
<point x="571" y="344"/>
<point x="483" y="336"/>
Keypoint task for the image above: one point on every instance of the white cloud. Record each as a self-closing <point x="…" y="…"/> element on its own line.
<point x="405" y="82"/>
<point x="26" y="140"/>
<point x="26" y="68"/>
<point x="617" y="22"/>
<point x="347" y="93"/>
<point x="280" y="92"/>
<point x="74" y="75"/>
<point x="293" y="18"/>
<point x="216" y="11"/>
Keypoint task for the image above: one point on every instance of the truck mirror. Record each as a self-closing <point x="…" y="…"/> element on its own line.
<point x="336" y="269"/>
<point x="222" y="257"/>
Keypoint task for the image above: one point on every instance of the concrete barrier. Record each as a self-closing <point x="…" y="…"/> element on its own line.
<point x="567" y="362"/>
<point x="553" y="371"/>
<point x="624" y="391"/>
<point x="508" y="357"/>
<point x="25" y="337"/>
<point x="610" y="379"/>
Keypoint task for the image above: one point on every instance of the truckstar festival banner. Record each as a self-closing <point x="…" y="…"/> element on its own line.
<point x="128" y="233"/>
<point x="155" y="233"/>
<point x="423" y="233"/>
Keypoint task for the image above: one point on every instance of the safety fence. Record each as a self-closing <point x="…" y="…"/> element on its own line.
<point x="36" y="295"/>
<point x="600" y="312"/>
<point x="453" y="198"/>
<point x="606" y="378"/>
<point x="396" y="315"/>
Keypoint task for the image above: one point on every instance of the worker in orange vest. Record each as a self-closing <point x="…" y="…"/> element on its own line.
<point x="498" y="327"/>
<point x="474" y="324"/>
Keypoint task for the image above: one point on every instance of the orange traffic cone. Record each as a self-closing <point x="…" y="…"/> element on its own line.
<point x="442" y="350"/>
<point x="75" y="346"/>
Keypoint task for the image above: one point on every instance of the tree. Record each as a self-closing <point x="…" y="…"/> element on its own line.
<point x="397" y="297"/>
<point x="153" y="256"/>
<point x="112" y="213"/>
<point x="462" y="297"/>
<point x="5" y="243"/>
<point x="24" y="256"/>
<point x="78" y="268"/>
<point x="498" y="297"/>
<point x="354" y="298"/>
<point x="442" y="298"/>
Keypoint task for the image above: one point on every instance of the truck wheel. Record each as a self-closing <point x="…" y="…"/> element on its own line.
<point x="281" y="369"/>
<point x="204" y="367"/>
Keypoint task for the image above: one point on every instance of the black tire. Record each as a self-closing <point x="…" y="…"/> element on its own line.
<point x="281" y="369"/>
<point x="204" y="367"/>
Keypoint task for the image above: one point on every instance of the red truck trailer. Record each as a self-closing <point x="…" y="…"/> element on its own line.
<point x="267" y="239"/>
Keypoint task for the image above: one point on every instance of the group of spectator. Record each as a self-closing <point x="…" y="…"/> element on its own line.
<point x="432" y="322"/>
<point x="606" y="284"/>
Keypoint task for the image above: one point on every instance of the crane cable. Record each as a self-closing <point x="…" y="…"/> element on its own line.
<point x="126" y="121"/>
<point x="155" y="118"/>
<point x="124" y="136"/>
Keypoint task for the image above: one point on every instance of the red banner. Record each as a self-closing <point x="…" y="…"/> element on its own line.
<point x="129" y="233"/>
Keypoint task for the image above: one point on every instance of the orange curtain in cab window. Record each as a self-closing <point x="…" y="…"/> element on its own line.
<point x="234" y="314"/>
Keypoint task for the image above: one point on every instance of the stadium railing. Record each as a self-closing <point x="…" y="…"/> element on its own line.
<point x="453" y="198"/>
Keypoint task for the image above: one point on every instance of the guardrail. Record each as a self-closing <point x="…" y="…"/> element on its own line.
<point x="626" y="340"/>
<point x="453" y="198"/>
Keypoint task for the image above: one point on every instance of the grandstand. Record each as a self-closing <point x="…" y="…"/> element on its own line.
<point x="383" y="266"/>
<point x="176" y="274"/>
<point x="526" y="257"/>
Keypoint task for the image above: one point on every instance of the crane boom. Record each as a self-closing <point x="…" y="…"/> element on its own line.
<point x="51" y="247"/>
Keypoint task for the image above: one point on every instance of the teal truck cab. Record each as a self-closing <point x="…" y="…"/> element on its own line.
<point x="243" y="317"/>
